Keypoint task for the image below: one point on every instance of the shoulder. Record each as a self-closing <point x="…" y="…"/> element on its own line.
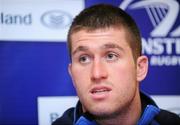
<point x="66" y="118"/>
<point x="167" y="118"/>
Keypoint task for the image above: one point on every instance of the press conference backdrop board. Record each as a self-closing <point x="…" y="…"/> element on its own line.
<point x="35" y="87"/>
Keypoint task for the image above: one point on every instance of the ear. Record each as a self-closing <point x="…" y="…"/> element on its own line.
<point x="142" y="68"/>
<point x="70" y="69"/>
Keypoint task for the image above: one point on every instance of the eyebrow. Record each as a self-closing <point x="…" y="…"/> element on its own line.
<point x="112" y="46"/>
<point x="80" y="48"/>
<point x="105" y="46"/>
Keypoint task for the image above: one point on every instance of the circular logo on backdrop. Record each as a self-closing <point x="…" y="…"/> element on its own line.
<point x="56" y="19"/>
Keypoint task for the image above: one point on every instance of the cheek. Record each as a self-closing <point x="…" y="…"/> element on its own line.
<point x="123" y="75"/>
<point x="124" y="84"/>
<point x="80" y="78"/>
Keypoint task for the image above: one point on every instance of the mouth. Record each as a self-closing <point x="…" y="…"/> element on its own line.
<point x="100" y="92"/>
<point x="96" y="91"/>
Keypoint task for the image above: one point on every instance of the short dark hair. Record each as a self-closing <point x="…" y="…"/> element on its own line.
<point x="105" y="16"/>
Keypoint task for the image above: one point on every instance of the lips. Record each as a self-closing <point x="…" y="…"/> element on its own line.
<point x="100" y="92"/>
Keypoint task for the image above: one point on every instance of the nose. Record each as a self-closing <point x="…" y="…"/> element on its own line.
<point x="99" y="71"/>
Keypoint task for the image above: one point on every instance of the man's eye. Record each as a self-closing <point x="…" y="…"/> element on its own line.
<point x="111" y="57"/>
<point x="84" y="59"/>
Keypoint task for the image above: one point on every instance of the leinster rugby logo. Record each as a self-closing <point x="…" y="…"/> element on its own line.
<point x="162" y="14"/>
<point x="163" y="43"/>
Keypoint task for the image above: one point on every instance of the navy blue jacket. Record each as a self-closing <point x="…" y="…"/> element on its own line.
<point x="151" y="115"/>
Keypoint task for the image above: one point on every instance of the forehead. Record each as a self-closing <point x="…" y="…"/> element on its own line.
<point x="98" y="37"/>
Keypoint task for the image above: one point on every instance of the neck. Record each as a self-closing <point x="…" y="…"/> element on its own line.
<point x="128" y="116"/>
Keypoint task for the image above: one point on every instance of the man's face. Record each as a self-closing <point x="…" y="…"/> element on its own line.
<point x="103" y="71"/>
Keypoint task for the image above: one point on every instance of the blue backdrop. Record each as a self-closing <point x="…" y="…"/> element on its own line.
<point x="30" y="68"/>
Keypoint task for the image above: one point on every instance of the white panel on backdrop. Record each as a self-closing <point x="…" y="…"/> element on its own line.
<point x="50" y="108"/>
<point x="42" y="20"/>
<point x="168" y="102"/>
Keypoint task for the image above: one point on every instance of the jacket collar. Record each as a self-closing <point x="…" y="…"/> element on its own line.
<point x="149" y="110"/>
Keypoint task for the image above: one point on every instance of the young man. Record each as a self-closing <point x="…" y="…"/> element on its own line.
<point x="107" y="66"/>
